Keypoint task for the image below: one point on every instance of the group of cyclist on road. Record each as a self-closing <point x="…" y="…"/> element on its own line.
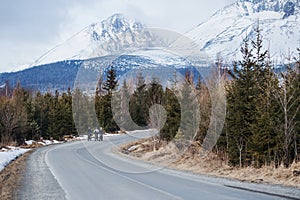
<point x="98" y="133"/>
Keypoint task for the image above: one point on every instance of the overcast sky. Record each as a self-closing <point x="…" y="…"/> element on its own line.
<point x="29" y="28"/>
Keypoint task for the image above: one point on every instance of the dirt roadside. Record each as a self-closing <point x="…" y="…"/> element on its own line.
<point x="11" y="176"/>
<point x="170" y="156"/>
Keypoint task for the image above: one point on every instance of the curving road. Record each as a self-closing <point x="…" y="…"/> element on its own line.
<point x="90" y="170"/>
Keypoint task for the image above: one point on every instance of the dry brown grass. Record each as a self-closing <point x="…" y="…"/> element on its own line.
<point x="10" y="177"/>
<point x="190" y="160"/>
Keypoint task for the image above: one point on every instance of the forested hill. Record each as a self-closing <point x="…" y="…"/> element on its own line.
<point x="61" y="75"/>
<point x="54" y="76"/>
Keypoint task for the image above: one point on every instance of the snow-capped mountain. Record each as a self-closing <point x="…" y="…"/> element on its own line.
<point x="224" y="32"/>
<point x="99" y="39"/>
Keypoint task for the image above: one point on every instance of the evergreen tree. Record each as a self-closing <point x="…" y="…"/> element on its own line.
<point x="263" y="143"/>
<point x="173" y="112"/>
<point x="241" y="93"/>
<point x="137" y="106"/>
<point x="111" y="81"/>
<point x="109" y="86"/>
<point x="154" y="95"/>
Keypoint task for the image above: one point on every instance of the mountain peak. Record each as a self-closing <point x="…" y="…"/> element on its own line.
<point x="110" y="35"/>
<point x="118" y="23"/>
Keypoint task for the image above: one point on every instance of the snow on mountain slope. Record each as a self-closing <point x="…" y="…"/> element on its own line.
<point x="224" y="32"/>
<point x="99" y="39"/>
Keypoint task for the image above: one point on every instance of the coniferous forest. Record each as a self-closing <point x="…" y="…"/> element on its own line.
<point x="262" y="125"/>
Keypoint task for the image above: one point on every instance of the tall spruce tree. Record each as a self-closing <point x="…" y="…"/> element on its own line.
<point x="154" y="95"/>
<point x="263" y="143"/>
<point x="173" y="112"/>
<point x="137" y="106"/>
<point x="172" y="107"/>
<point x="109" y="87"/>
<point x="241" y="93"/>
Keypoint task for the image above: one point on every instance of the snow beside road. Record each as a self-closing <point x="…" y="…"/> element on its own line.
<point x="10" y="154"/>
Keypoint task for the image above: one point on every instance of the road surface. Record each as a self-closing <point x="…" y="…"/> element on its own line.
<point x="90" y="170"/>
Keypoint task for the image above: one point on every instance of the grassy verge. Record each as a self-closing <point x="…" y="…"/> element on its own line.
<point x="170" y="155"/>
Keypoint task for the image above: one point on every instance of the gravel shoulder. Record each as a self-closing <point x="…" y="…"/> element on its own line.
<point x="38" y="182"/>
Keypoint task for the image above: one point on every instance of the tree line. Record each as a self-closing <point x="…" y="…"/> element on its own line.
<point x="28" y="115"/>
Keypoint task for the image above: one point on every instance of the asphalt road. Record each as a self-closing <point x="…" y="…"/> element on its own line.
<point x="90" y="170"/>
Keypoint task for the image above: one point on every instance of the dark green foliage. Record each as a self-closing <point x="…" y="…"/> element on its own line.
<point x="172" y="106"/>
<point x="137" y="106"/>
<point x="107" y="119"/>
<point x="242" y="95"/>
<point x="154" y="96"/>
<point x="33" y="116"/>
<point x="262" y="114"/>
<point x="111" y="81"/>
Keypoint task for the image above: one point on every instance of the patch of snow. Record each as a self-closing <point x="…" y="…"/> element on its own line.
<point x="8" y="155"/>
<point x="29" y="142"/>
<point x="42" y="143"/>
<point x="47" y="142"/>
<point x="132" y="148"/>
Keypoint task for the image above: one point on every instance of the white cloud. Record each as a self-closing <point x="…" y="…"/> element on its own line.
<point x="30" y="28"/>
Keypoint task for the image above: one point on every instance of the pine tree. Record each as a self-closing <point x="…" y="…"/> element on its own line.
<point x="111" y="82"/>
<point x="263" y="143"/>
<point x="241" y="93"/>
<point x="154" y="95"/>
<point x="173" y="112"/>
<point x="109" y="86"/>
<point x="137" y="106"/>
